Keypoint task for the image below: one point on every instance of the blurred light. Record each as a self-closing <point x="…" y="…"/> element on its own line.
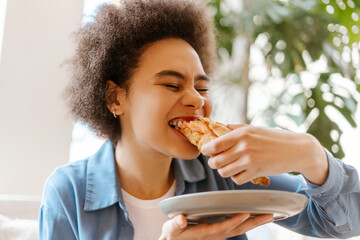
<point x="224" y="8"/>
<point x="355" y="16"/>
<point x="212" y="10"/>
<point x="235" y="6"/>
<point x="355" y="29"/>
<point x="311" y="103"/>
<point x="336" y="41"/>
<point x="314" y="113"/>
<point x="337" y="27"/>
<point x="261" y="40"/>
<point x="331" y="27"/>
<point x="308" y="93"/>
<point x="275" y="72"/>
<point x="329" y="97"/>
<point x="351" y="3"/>
<point x="339" y="102"/>
<point x="257" y="20"/>
<point x="336" y="55"/>
<point x="341" y="4"/>
<point x="346" y="55"/>
<point x="281" y="45"/>
<point x="308" y="79"/>
<point x="334" y="135"/>
<point x="326" y="1"/>
<point x="343" y="30"/>
<point x="335" y="148"/>
<point x="345" y="39"/>
<point x="325" y="87"/>
<point x="267" y="48"/>
<point x="330" y="9"/>
<point x="279" y="57"/>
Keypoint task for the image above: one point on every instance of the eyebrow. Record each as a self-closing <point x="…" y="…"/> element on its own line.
<point x="179" y="75"/>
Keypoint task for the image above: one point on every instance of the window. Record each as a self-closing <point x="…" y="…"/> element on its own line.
<point x="84" y="141"/>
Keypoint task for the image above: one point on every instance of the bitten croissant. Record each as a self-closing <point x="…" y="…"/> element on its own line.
<point x="205" y="130"/>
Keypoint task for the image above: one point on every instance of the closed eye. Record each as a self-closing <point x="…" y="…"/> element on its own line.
<point x="173" y="87"/>
<point x="202" y="90"/>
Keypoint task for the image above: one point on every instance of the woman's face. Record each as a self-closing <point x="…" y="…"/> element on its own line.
<point x="169" y="85"/>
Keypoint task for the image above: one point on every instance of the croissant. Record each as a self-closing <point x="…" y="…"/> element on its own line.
<point x="203" y="131"/>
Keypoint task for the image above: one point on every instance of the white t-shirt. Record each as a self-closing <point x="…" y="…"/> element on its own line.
<point x="145" y="215"/>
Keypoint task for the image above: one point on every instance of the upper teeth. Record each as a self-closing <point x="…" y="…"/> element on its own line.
<point x="175" y="123"/>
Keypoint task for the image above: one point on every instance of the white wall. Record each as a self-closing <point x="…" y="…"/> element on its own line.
<point x="35" y="133"/>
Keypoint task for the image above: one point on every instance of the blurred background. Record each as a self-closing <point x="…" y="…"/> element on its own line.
<point x="292" y="64"/>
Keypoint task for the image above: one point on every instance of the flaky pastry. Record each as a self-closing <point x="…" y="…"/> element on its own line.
<point x="203" y="131"/>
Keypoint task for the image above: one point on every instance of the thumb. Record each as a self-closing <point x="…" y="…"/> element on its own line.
<point x="174" y="226"/>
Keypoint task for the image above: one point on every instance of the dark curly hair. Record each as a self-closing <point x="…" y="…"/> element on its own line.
<point x="109" y="48"/>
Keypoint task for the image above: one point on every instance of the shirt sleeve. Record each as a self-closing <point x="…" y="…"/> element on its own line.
<point x="333" y="209"/>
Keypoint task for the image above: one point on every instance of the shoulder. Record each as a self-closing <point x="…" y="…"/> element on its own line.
<point x="66" y="183"/>
<point x="71" y="173"/>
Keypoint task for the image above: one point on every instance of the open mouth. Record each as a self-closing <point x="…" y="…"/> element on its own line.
<point x="176" y="123"/>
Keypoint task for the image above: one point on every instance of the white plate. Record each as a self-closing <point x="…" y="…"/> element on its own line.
<point x="216" y="206"/>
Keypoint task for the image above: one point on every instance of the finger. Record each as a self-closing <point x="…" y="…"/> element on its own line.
<point x="234" y="168"/>
<point x="174" y="226"/>
<point x="242" y="177"/>
<point x="252" y="223"/>
<point x="227" y="225"/>
<point x="221" y="143"/>
<point x="210" y="230"/>
<point x="222" y="159"/>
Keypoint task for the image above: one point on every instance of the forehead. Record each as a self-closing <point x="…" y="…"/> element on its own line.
<point x="172" y="54"/>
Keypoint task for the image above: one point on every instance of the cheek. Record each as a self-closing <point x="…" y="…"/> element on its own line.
<point x="148" y="113"/>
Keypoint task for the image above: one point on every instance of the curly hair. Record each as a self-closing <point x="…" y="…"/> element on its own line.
<point x="109" y="49"/>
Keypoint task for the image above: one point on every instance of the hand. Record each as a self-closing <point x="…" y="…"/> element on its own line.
<point x="248" y="152"/>
<point x="178" y="229"/>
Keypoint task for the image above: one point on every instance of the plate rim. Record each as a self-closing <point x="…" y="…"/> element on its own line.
<point x="225" y="192"/>
<point x="303" y="199"/>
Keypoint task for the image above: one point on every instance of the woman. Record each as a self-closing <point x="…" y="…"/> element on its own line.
<point x="139" y="66"/>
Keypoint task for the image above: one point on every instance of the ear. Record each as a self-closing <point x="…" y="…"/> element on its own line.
<point x="115" y="97"/>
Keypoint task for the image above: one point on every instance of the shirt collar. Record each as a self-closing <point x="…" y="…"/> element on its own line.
<point x="102" y="182"/>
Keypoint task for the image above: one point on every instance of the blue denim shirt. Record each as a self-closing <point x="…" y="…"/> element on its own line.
<point x="83" y="200"/>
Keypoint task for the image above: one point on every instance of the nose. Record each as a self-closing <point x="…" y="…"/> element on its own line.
<point x="193" y="99"/>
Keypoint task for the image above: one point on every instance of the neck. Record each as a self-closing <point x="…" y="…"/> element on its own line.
<point x="142" y="174"/>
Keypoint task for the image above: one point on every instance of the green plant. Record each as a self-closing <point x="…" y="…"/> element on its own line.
<point x="292" y="38"/>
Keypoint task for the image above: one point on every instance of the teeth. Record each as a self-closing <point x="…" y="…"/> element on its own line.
<point x="174" y="123"/>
